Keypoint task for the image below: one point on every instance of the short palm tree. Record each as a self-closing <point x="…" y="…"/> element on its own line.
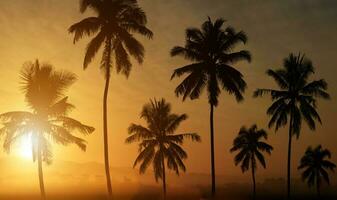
<point x="249" y="144"/>
<point x="114" y="23"/>
<point x="44" y="93"/>
<point x="295" y="100"/>
<point x="315" y="164"/>
<point x="210" y="49"/>
<point x="158" y="142"/>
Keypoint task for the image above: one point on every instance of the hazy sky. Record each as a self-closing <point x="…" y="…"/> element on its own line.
<point x="33" y="29"/>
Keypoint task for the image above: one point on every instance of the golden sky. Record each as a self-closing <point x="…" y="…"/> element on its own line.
<point x="33" y="29"/>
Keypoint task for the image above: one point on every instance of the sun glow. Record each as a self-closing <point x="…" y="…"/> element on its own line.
<point x="24" y="148"/>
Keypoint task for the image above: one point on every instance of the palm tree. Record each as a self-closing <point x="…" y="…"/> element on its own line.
<point x="315" y="164"/>
<point x="44" y="93"/>
<point x="296" y="99"/>
<point x="249" y="144"/>
<point x="114" y="23"/>
<point x="210" y="49"/>
<point x="158" y="141"/>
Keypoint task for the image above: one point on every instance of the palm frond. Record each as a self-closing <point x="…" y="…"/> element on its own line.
<point x="138" y="133"/>
<point x="235" y="57"/>
<point x="260" y="157"/>
<point x="86" y="27"/>
<point x="187" y="85"/>
<point x="62" y="107"/>
<point x="92" y="48"/>
<point x="317" y="88"/>
<point x="17" y="116"/>
<point x="63" y="136"/>
<point x="187" y="69"/>
<point x="232" y="81"/>
<point x="186" y="53"/>
<point x="279" y="77"/>
<point x="134" y="47"/>
<point x="174" y="122"/>
<point x="94" y="4"/>
<point x="72" y="124"/>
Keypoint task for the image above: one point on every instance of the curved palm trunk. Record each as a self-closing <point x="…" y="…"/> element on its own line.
<point x="40" y="171"/>
<point x="289" y="157"/>
<point x="254" y="184"/>
<point x="212" y="150"/>
<point x="105" y="123"/>
<point x="164" y="179"/>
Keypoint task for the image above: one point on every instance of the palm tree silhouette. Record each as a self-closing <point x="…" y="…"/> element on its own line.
<point x="114" y="23"/>
<point x="296" y="99"/>
<point x="249" y="144"/>
<point x="158" y="141"/>
<point x="44" y="93"/>
<point x="315" y="164"/>
<point x="211" y="51"/>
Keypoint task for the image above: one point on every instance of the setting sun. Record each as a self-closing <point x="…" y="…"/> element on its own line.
<point x="24" y="147"/>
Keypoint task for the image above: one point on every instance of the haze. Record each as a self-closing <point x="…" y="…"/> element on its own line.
<point x="33" y="29"/>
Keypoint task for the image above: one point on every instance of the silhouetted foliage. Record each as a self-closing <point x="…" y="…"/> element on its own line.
<point x="315" y="166"/>
<point x="211" y="51"/>
<point x="44" y="93"/>
<point x="249" y="144"/>
<point x="158" y="142"/>
<point x="296" y="98"/>
<point x="114" y="25"/>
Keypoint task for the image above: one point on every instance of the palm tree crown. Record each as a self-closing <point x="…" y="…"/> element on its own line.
<point x="249" y="144"/>
<point x="315" y="166"/>
<point x="211" y="51"/>
<point x="297" y="95"/>
<point x="158" y="141"/>
<point x="44" y="93"/>
<point x="114" y="23"/>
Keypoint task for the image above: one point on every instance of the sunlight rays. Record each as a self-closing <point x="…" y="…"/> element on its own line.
<point x="24" y="147"/>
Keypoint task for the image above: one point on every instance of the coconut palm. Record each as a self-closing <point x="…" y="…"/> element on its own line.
<point x="48" y="121"/>
<point x="249" y="144"/>
<point x="158" y="142"/>
<point x="315" y="163"/>
<point x="114" y="23"/>
<point x="210" y="49"/>
<point x="295" y="100"/>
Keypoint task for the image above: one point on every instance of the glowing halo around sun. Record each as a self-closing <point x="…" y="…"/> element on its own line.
<point x="24" y="147"/>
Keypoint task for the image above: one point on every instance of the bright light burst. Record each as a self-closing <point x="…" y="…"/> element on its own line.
<point x="24" y="147"/>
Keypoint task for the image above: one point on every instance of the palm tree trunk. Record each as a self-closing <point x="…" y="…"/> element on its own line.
<point x="105" y="123"/>
<point x="318" y="186"/>
<point x="318" y="192"/>
<point x="212" y="150"/>
<point x="254" y="184"/>
<point x="289" y="156"/>
<point x="164" y="179"/>
<point x="40" y="171"/>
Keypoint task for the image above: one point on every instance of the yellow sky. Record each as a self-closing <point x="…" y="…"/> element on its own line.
<point x="33" y="29"/>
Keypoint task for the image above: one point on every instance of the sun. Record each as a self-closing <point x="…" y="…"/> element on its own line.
<point x="24" y="147"/>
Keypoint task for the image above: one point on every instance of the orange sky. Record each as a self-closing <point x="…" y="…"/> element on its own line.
<point x="33" y="29"/>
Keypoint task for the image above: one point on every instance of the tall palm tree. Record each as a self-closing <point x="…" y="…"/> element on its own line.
<point x="295" y="100"/>
<point x="210" y="49"/>
<point x="158" y="142"/>
<point x="249" y="144"/>
<point x="114" y="24"/>
<point x="315" y="164"/>
<point x="44" y="93"/>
